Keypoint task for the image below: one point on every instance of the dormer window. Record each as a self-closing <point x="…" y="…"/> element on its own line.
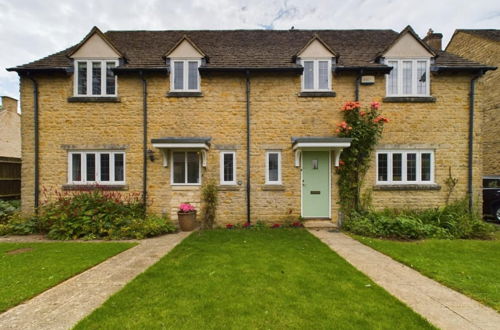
<point x="317" y="76"/>
<point x="185" y="76"/>
<point x="95" y="78"/>
<point x="408" y="77"/>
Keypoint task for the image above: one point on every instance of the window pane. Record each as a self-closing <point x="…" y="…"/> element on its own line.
<point x="228" y="167"/>
<point x="82" y="78"/>
<point x="90" y="167"/>
<point x="323" y="75"/>
<point x="421" y="77"/>
<point x="178" y="75"/>
<point x="193" y="75"/>
<point x="273" y="167"/>
<point x="308" y="75"/>
<point x="179" y="167"/>
<point x="426" y="167"/>
<point x="110" y="78"/>
<point x="393" y="78"/>
<point x="411" y="167"/>
<point x="397" y="168"/>
<point x="382" y="167"/>
<point x="76" y="167"/>
<point x="96" y="78"/>
<point x="119" y="167"/>
<point x="407" y="77"/>
<point x="193" y="167"/>
<point x="104" y="167"/>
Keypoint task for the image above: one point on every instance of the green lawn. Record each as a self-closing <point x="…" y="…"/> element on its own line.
<point x="469" y="266"/>
<point x="269" y="279"/>
<point x="42" y="265"/>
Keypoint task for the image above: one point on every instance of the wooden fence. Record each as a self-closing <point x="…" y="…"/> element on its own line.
<point x="10" y="177"/>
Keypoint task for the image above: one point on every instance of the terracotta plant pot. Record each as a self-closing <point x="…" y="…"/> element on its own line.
<point x="187" y="220"/>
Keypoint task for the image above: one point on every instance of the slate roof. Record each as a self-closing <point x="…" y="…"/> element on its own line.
<point x="485" y="33"/>
<point x="246" y="49"/>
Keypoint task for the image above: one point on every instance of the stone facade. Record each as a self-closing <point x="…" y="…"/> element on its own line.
<point x="277" y="114"/>
<point x="487" y="51"/>
<point x="10" y="129"/>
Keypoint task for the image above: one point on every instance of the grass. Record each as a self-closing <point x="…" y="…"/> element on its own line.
<point x="234" y="279"/>
<point x="468" y="266"/>
<point x="39" y="266"/>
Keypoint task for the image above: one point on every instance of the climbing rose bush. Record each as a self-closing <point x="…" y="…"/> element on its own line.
<point x="364" y="127"/>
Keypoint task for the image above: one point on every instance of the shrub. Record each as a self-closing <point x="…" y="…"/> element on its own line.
<point x="452" y="221"/>
<point x="7" y="209"/>
<point x="209" y="196"/>
<point x="99" y="214"/>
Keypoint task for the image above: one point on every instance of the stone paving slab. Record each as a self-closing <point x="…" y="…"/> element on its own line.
<point x="67" y="303"/>
<point x="440" y="305"/>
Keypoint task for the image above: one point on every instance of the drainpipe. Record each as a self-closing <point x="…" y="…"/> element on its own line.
<point x="144" y="140"/>
<point x="37" y="144"/>
<point x="471" y="140"/>
<point x="247" y="76"/>
<point x="357" y="83"/>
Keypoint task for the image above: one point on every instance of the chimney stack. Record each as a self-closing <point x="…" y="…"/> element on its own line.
<point x="434" y="39"/>
<point x="9" y="104"/>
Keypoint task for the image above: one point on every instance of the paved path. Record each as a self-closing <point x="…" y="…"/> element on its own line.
<point x="445" y="308"/>
<point x="65" y="304"/>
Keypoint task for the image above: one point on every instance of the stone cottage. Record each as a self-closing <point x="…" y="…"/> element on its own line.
<point x="161" y="112"/>
<point x="484" y="46"/>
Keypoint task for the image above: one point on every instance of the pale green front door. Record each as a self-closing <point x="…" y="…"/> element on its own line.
<point x="316" y="184"/>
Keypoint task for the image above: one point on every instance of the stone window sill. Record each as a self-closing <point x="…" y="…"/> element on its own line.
<point x="92" y="99"/>
<point x="184" y="94"/>
<point x="317" y="94"/>
<point x="409" y="99"/>
<point x="185" y="187"/>
<point x="228" y="187"/>
<point x="400" y="187"/>
<point x="91" y="187"/>
<point x="273" y="187"/>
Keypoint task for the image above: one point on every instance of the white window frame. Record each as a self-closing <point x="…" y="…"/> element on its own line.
<point x="403" y="153"/>
<point x="185" y="86"/>
<point x="89" y="77"/>
<point x="185" y="151"/>
<point x="222" y="181"/>
<point x="316" y="74"/>
<point x="83" y="167"/>
<point x="414" y="77"/>
<point x="267" y="167"/>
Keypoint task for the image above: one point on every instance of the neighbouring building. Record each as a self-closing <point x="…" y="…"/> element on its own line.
<point x="10" y="128"/>
<point x="484" y="46"/>
<point x="162" y="112"/>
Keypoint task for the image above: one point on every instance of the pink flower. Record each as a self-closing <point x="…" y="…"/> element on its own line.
<point x="186" y="208"/>
<point x="246" y="225"/>
<point x="362" y="113"/>
<point x="350" y="106"/>
<point x="381" y="119"/>
<point x="276" y="225"/>
<point x="229" y="226"/>
<point x="375" y="105"/>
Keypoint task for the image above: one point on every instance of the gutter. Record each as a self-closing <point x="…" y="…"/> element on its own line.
<point x="248" y="185"/>
<point x="37" y="144"/>
<point x="144" y="140"/>
<point x="247" y="70"/>
<point x="471" y="140"/>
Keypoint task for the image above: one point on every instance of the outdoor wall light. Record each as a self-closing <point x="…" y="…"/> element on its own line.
<point x="151" y="155"/>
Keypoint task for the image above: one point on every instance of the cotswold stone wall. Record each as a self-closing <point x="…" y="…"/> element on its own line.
<point x="277" y="114"/>
<point x="485" y="51"/>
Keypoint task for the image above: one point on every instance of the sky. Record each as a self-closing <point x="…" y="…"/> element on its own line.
<point x="32" y="29"/>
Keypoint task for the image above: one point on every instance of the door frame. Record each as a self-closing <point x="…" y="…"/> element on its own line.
<point x="329" y="182"/>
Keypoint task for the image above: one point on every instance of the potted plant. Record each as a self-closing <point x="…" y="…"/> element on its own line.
<point x="187" y="217"/>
